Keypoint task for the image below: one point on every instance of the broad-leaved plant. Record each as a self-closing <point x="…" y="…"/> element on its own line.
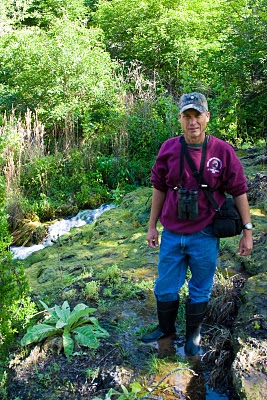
<point x="77" y="325"/>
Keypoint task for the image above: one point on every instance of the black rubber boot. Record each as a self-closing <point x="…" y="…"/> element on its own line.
<point x="167" y="313"/>
<point x="194" y="317"/>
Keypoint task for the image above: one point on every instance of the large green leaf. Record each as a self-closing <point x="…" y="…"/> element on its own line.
<point x="82" y="306"/>
<point x="97" y="329"/>
<point x="63" y="312"/>
<point x="86" y="337"/>
<point x="51" y="320"/>
<point x="37" y="333"/>
<point x="68" y="343"/>
<point x="79" y="311"/>
<point x="48" y="309"/>
<point x="66" y="309"/>
<point x="94" y="320"/>
<point x="60" y="324"/>
<point x="83" y="320"/>
<point x="100" y="332"/>
<point x="136" y="387"/>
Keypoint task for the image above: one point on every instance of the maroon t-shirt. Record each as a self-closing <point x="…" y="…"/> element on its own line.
<point x="223" y="171"/>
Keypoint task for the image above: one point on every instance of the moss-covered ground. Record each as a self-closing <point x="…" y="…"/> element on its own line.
<point x="109" y="266"/>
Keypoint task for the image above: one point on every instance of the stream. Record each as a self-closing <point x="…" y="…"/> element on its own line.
<point x="60" y="228"/>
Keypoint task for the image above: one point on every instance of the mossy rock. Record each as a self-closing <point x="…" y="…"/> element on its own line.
<point x="117" y="237"/>
<point x="252" y="315"/>
<point x="249" y="381"/>
<point x="250" y="332"/>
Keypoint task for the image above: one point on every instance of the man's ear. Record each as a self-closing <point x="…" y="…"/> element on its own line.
<point x="208" y="116"/>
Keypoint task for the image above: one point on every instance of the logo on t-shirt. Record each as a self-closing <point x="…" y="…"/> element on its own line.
<point x="214" y="165"/>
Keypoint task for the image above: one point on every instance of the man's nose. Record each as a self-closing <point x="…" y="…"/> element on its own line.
<point x="192" y="119"/>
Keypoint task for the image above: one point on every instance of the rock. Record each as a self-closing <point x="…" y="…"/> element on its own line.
<point x="257" y="190"/>
<point x="250" y="383"/>
<point x="249" y="369"/>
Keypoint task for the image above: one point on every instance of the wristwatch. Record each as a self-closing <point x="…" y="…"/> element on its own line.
<point x="248" y="226"/>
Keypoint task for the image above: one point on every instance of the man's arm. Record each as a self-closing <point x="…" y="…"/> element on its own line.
<point x="158" y="199"/>
<point x="246" y="242"/>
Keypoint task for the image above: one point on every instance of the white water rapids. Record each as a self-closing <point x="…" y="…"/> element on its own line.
<point x="59" y="228"/>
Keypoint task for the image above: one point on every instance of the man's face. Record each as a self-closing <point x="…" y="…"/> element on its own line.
<point x="194" y="124"/>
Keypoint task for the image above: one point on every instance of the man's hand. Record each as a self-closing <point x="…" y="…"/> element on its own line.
<point x="245" y="245"/>
<point x="152" y="238"/>
<point x="158" y="199"/>
<point x="246" y="242"/>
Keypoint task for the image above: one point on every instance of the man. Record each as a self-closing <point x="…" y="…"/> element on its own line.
<point x="188" y="240"/>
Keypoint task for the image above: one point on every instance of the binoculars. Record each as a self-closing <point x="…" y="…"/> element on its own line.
<point x="187" y="204"/>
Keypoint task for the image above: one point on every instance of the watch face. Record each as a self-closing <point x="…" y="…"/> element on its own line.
<point x="248" y="226"/>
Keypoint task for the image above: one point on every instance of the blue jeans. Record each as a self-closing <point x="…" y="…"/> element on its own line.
<point x="199" y="252"/>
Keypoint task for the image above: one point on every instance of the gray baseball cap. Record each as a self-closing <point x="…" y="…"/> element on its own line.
<point x="193" y="100"/>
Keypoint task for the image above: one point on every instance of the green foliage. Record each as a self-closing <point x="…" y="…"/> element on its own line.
<point x="146" y="122"/>
<point x="218" y="48"/>
<point x="61" y="321"/>
<point x="105" y="120"/>
<point x="44" y="12"/>
<point x="64" y="182"/>
<point x="133" y="393"/>
<point x="5" y="238"/>
<point x="15" y="305"/>
<point x="241" y="71"/>
<point x="92" y="290"/>
<point x="166" y="35"/>
<point x="111" y="274"/>
<point x="116" y="285"/>
<point x="149" y="125"/>
<point x="3" y="383"/>
<point x="65" y="73"/>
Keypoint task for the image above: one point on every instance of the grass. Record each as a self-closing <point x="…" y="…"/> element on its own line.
<point x="224" y="298"/>
<point x="219" y="357"/>
<point x="111" y="274"/>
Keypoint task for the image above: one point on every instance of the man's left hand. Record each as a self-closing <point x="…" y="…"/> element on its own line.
<point x="245" y="245"/>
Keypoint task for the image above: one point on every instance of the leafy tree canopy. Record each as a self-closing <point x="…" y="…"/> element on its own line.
<point x="217" y="47"/>
<point x="43" y="12"/>
<point x="164" y="35"/>
<point x="60" y="72"/>
<point x="239" y="75"/>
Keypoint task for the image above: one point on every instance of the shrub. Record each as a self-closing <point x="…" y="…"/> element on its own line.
<point x="15" y="305"/>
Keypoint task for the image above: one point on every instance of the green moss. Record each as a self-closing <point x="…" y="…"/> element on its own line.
<point x="117" y="242"/>
<point x="117" y="237"/>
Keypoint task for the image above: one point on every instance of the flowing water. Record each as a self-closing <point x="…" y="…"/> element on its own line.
<point x="60" y="228"/>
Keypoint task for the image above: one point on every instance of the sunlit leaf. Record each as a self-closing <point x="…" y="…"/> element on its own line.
<point x="68" y="343"/>
<point x="37" y="333"/>
<point x="86" y="337"/>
